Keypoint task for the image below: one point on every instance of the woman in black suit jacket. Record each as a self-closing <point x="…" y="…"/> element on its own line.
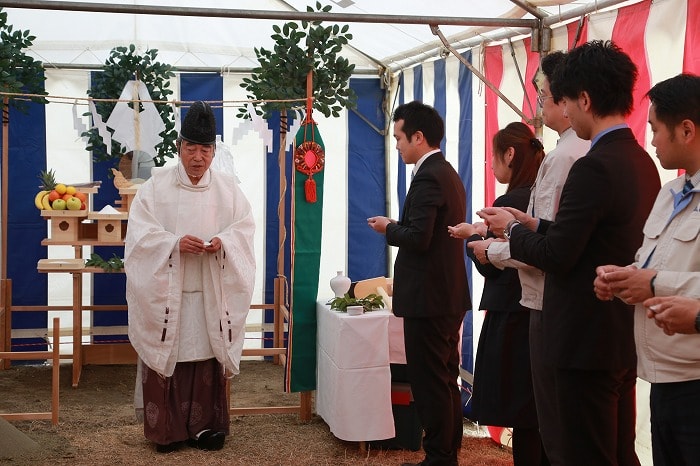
<point x="503" y="394"/>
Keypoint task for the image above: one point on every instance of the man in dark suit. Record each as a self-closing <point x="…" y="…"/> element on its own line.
<point x="589" y="344"/>
<point x="430" y="280"/>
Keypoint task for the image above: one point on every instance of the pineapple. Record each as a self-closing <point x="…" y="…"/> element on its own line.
<point x="48" y="180"/>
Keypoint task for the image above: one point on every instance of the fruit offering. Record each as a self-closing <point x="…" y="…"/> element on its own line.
<point x="58" y="196"/>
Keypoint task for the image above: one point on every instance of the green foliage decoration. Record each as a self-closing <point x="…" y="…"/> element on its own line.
<point x="113" y="264"/>
<point x="281" y="74"/>
<point x="124" y="64"/>
<point x="369" y="302"/>
<point x="19" y="73"/>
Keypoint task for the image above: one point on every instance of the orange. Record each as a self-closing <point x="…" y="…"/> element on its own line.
<point x="61" y="188"/>
<point x="80" y="195"/>
<point x="70" y="190"/>
<point x="53" y="195"/>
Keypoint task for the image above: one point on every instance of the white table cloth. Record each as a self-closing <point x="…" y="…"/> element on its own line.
<point x="353" y="391"/>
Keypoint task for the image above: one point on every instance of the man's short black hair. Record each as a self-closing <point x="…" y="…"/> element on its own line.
<point x="601" y="69"/>
<point x="417" y="116"/>
<point x="677" y="99"/>
<point x="548" y="66"/>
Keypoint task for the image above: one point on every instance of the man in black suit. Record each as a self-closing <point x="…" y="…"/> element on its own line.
<point x="430" y="279"/>
<point x="589" y="344"/>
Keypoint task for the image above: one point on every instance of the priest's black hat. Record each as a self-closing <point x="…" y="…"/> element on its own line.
<point x="199" y="125"/>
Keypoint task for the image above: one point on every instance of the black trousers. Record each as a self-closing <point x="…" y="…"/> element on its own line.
<point x="432" y="362"/>
<point x="542" y="381"/>
<point x="675" y="423"/>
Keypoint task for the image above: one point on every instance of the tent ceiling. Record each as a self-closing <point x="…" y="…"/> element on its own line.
<point x="67" y="33"/>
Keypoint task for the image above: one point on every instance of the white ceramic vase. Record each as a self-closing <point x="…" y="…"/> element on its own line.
<point x="340" y="284"/>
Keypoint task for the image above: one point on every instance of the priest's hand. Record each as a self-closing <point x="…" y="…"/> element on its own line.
<point x="213" y="245"/>
<point x="192" y="245"/>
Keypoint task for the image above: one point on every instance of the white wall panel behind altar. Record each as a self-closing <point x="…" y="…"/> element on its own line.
<point x="249" y="162"/>
<point x="334" y="233"/>
<point x="66" y="155"/>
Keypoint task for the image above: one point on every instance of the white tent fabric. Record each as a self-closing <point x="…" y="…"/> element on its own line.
<point x="228" y="43"/>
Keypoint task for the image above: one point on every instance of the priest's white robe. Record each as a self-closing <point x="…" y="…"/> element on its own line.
<point x="165" y="208"/>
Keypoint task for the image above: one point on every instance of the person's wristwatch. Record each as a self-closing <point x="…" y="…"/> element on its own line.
<point x="509" y="228"/>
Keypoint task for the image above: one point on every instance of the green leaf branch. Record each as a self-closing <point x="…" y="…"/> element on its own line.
<point x="113" y="264"/>
<point x="282" y="71"/>
<point x="369" y="302"/>
<point x="123" y="65"/>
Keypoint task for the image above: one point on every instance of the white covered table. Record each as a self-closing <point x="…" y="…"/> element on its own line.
<point x="353" y="391"/>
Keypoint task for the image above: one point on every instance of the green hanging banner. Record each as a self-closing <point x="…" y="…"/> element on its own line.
<point x="306" y="221"/>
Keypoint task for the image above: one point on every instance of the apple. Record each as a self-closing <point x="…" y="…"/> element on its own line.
<point x="73" y="204"/>
<point x="58" y="204"/>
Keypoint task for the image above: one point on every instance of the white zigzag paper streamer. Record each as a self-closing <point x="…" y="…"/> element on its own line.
<point x="101" y="127"/>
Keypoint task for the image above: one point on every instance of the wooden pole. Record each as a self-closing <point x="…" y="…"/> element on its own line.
<point x="6" y="326"/>
<point x="282" y="161"/>
<point x="5" y="177"/>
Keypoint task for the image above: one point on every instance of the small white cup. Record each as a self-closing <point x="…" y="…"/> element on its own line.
<point x="355" y="310"/>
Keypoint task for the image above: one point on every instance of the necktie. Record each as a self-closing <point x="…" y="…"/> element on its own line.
<point x="680" y="202"/>
<point x="681" y="199"/>
<point x="687" y="187"/>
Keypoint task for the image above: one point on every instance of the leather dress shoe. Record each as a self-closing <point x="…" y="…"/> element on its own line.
<point x="168" y="447"/>
<point x="210" y="440"/>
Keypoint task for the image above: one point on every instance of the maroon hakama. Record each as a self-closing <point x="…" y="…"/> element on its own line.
<point x="193" y="399"/>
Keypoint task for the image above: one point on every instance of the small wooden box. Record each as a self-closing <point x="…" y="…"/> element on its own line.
<point x="65" y="223"/>
<point x="109" y="226"/>
<point x="127" y="195"/>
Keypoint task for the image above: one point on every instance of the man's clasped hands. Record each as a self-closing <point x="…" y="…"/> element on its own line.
<point x="628" y="283"/>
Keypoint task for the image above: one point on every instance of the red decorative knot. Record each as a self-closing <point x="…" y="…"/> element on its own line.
<point x="309" y="158"/>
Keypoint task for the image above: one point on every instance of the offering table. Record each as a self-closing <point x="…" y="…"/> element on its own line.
<point x="353" y="391"/>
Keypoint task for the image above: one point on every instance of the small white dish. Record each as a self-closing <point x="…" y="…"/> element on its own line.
<point x="355" y="310"/>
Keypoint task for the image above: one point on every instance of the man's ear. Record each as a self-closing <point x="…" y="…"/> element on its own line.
<point x="584" y="100"/>
<point x="688" y="130"/>
<point x="418" y="135"/>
